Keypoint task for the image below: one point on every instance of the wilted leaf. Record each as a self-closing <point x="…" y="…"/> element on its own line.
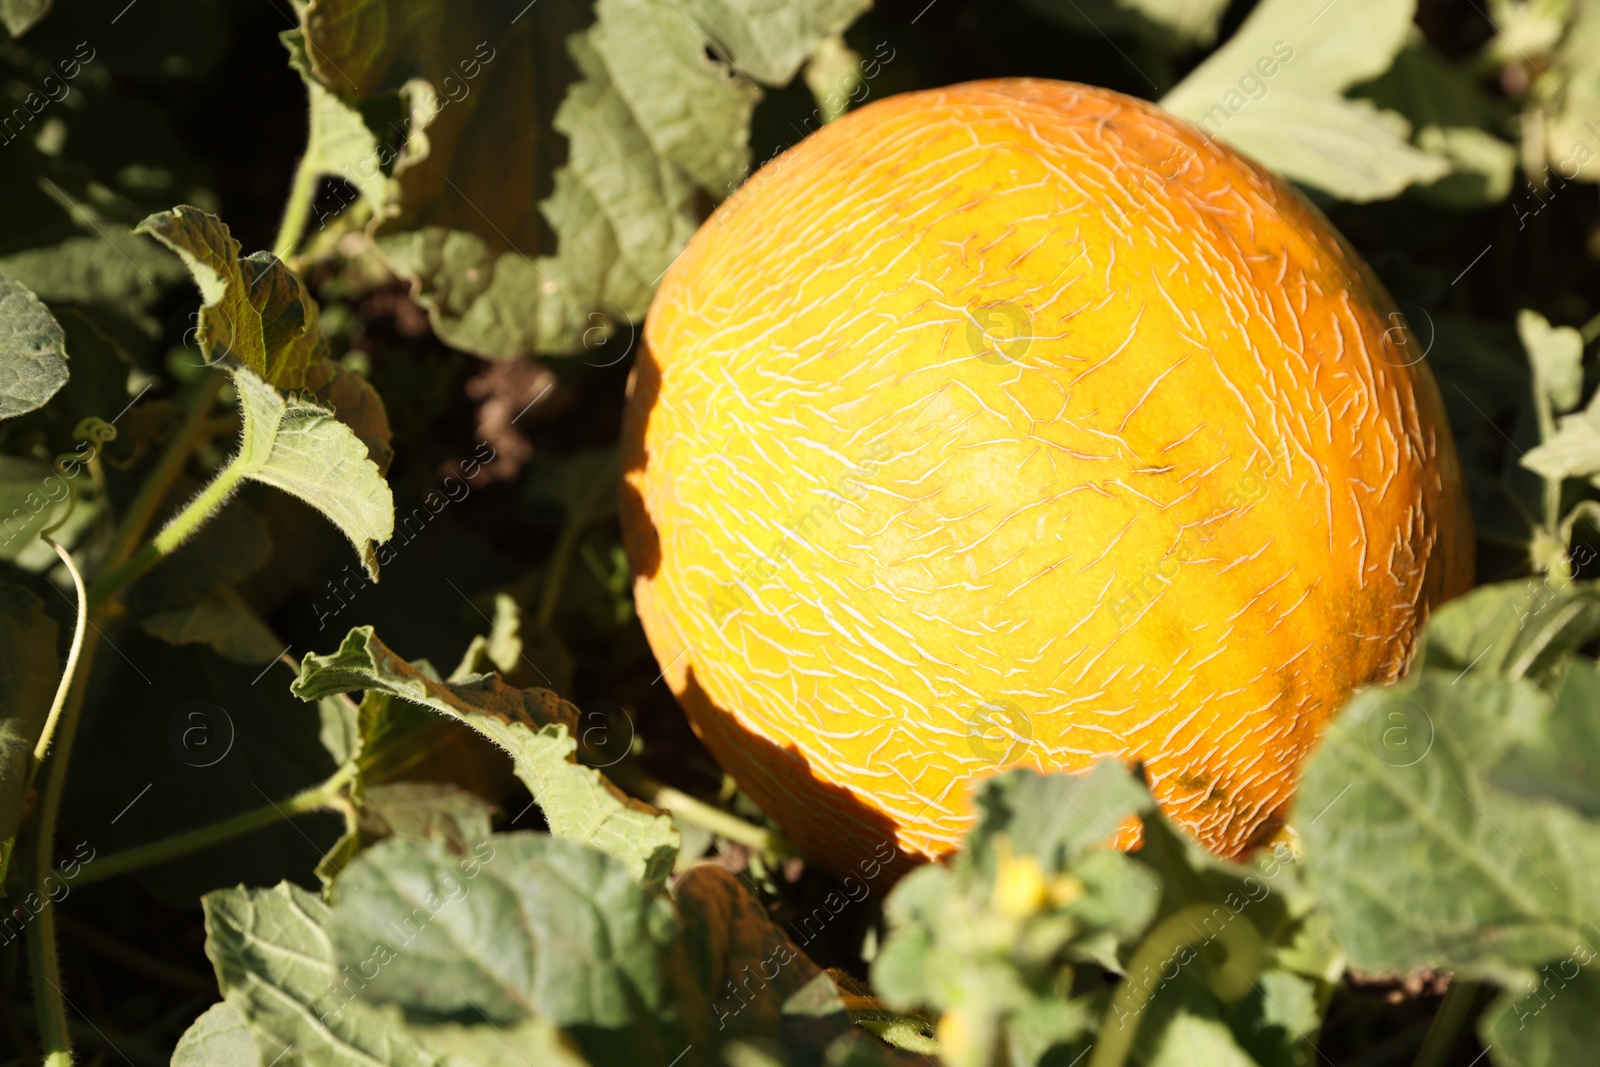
<point x="219" y="1038"/>
<point x="1295" y="118"/>
<point x="728" y="937"/>
<point x="33" y="353"/>
<point x="533" y="725"/>
<point x="305" y="450"/>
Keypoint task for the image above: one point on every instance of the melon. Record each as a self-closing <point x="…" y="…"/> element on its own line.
<point x="1019" y="423"/>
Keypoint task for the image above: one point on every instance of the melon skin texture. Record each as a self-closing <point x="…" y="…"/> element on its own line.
<point x="1020" y="424"/>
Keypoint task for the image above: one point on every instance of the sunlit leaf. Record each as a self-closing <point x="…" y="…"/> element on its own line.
<point x="1275" y="91"/>
<point x="219" y="1038"/>
<point x="304" y="449"/>
<point x="1423" y="862"/>
<point x="534" y="726"/>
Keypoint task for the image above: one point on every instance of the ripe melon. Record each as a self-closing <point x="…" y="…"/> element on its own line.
<point x="1019" y="423"/>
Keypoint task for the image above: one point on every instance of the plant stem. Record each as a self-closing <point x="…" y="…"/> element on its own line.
<point x="323" y="797"/>
<point x="298" y="208"/>
<point x="71" y="668"/>
<point x="43" y="961"/>
<point x="175" y="532"/>
<point x="140" y="513"/>
<point x="714" y="820"/>
<point x="1445" y="1030"/>
<point x="1178" y="930"/>
<point x="62" y="688"/>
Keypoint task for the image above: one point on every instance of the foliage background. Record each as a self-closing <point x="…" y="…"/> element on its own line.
<point x="1441" y="141"/>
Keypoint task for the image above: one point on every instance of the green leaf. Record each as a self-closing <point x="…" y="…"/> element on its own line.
<point x="530" y="1041"/>
<point x="1556" y="353"/>
<point x="30" y="669"/>
<point x="357" y="404"/>
<point x="254" y="309"/>
<point x="1187" y="1038"/>
<point x="32" y="495"/>
<point x="303" y="449"/>
<point x="222" y="620"/>
<point x="1564" y="110"/>
<point x="1057" y="818"/>
<point x="958" y="943"/>
<point x="340" y="144"/>
<point x="1557" y="755"/>
<point x="1512" y="629"/>
<point x="1481" y="166"/>
<point x="1295" y="118"/>
<point x="1574" y="451"/>
<point x="116" y="270"/>
<point x="33" y="353"/>
<point x="219" y="1038"/>
<point x="1454" y="119"/>
<point x="415" y="810"/>
<point x="18" y="15"/>
<point x="533" y="725"/>
<point x="1421" y="861"/>
<point x="647" y="115"/>
<point x="276" y="967"/>
<point x="418" y="810"/>
<point x="525" y="925"/>
<point x="1551" y="1025"/>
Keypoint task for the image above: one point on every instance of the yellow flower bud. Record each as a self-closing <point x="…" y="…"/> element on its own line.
<point x="953" y="1033"/>
<point x="1020" y="889"/>
<point x="1064" y="890"/>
